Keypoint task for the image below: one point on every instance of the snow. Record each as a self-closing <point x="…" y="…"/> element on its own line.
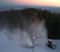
<point x="25" y="40"/>
<point x="14" y="41"/>
<point x="55" y="42"/>
<point x="8" y="46"/>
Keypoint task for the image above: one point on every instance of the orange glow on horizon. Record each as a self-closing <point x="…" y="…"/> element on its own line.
<point x="37" y="2"/>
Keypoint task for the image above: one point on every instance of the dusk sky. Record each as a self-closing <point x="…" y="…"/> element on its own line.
<point x="33" y="2"/>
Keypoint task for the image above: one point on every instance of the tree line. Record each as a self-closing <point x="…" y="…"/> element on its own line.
<point x="13" y="18"/>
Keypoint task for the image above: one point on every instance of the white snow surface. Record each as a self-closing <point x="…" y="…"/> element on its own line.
<point x="12" y="44"/>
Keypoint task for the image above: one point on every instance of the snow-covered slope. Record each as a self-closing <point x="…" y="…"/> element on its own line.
<point x="55" y="42"/>
<point x="8" y="46"/>
<point x="11" y="46"/>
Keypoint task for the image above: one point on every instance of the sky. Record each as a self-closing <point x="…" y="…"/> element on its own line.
<point x="32" y="2"/>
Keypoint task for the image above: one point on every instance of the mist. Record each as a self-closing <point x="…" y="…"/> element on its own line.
<point x="24" y="32"/>
<point x="8" y="6"/>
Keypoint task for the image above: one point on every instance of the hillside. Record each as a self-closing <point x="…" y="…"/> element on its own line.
<point x="14" y="17"/>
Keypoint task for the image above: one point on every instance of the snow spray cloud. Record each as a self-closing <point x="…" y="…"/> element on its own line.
<point x="24" y="30"/>
<point x="35" y="28"/>
<point x="37" y="33"/>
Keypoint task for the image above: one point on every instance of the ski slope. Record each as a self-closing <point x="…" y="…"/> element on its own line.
<point x="13" y="46"/>
<point x="56" y="42"/>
